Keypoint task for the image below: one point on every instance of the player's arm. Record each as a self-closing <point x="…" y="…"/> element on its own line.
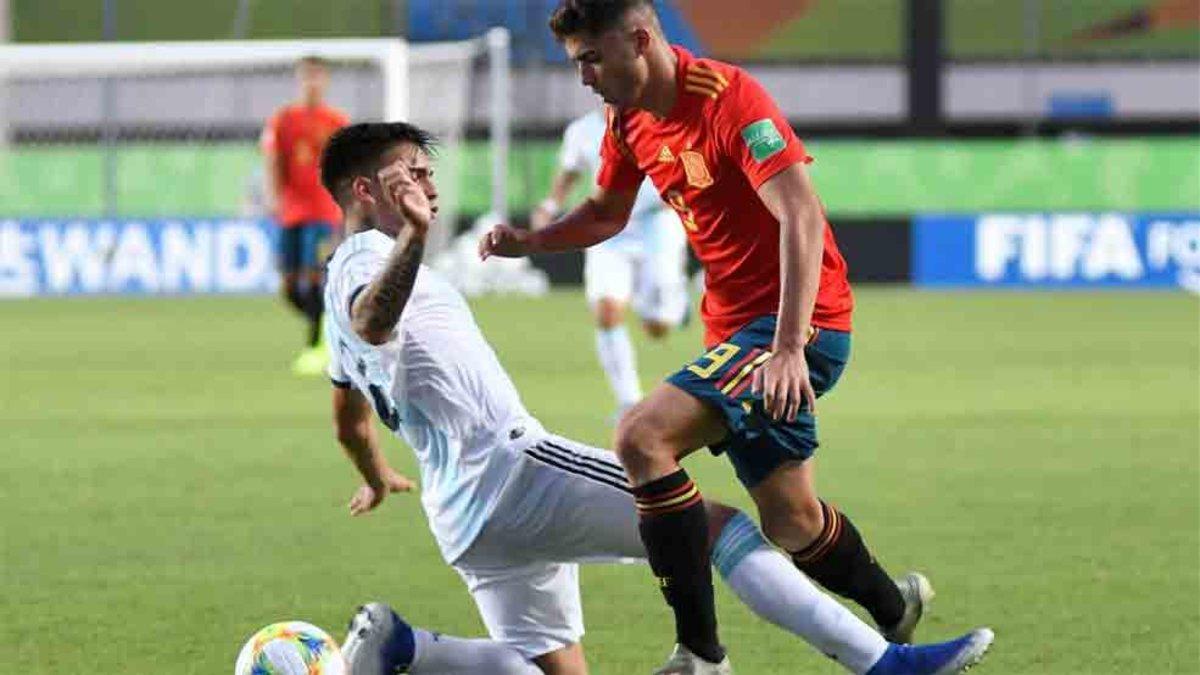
<point x="560" y="189"/>
<point x="790" y="197"/>
<point x="758" y="138"/>
<point x="356" y="433"/>
<point x="376" y="310"/>
<point x="601" y="216"/>
<point x="274" y="170"/>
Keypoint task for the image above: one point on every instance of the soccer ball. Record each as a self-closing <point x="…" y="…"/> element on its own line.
<point x="290" y="648"/>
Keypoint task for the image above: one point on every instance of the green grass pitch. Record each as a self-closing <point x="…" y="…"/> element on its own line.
<point x="167" y="487"/>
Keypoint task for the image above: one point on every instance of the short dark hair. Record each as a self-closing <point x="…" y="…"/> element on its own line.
<point x="313" y="60"/>
<point x="591" y="17"/>
<point x="358" y="149"/>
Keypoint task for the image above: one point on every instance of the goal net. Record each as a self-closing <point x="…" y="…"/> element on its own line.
<point x="99" y="136"/>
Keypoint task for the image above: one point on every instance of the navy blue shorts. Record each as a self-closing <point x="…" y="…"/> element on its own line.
<point x="301" y="247"/>
<point x="721" y="378"/>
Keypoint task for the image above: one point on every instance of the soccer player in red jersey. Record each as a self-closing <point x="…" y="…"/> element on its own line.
<point x="776" y="311"/>
<point x="307" y="216"/>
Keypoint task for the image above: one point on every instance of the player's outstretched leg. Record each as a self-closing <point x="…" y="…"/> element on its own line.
<point x="943" y="658"/>
<point x="381" y="643"/>
<point x="776" y="591"/>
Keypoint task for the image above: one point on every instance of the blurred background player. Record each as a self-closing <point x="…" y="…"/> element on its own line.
<point x="644" y="264"/>
<point x="307" y="216"/>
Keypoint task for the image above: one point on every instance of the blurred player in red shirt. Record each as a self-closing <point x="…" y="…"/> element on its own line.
<point x="776" y="311"/>
<point x="307" y="216"/>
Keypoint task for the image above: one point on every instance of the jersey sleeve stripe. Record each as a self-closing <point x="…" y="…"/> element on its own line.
<point x="703" y="91"/>
<point x="339" y="384"/>
<point x="698" y="70"/>
<point x="707" y="76"/>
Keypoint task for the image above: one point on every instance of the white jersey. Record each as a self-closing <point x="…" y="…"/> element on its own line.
<point x="580" y="153"/>
<point x="436" y="383"/>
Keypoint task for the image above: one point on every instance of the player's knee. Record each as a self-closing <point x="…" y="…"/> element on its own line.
<point x="566" y="661"/>
<point x="507" y="662"/>
<point x="718" y="515"/>
<point x="609" y="314"/>
<point x="656" y="329"/>
<point x="637" y="442"/>
<point x="795" y="526"/>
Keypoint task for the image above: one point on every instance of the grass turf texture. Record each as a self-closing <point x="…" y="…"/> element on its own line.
<point x="166" y="487"/>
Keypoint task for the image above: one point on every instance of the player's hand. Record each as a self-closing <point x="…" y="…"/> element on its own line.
<point x="784" y="385"/>
<point x="403" y="198"/>
<point x="505" y="242"/>
<point x="398" y="482"/>
<point x="367" y="497"/>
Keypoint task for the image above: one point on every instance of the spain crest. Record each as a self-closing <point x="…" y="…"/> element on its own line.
<point x="696" y="169"/>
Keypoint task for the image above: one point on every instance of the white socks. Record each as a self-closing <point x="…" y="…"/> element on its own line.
<point x="762" y="578"/>
<point x="438" y="654"/>
<point x="775" y="590"/>
<point x="616" y="357"/>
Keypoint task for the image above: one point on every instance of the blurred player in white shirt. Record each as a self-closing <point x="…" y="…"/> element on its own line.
<point x="513" y="507"/>
<point x="643" y="266"/>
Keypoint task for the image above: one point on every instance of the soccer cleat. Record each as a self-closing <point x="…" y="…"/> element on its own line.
<point x="684" y="662"/>
<point x="943" y="658"/>
<point x="917" y="592"/>
<point x="379" y="642"/>
<point x="311" y="362"/>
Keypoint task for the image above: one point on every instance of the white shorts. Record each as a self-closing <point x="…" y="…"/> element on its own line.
<point x="565" y="503"/>
<point x="645" y="268"/>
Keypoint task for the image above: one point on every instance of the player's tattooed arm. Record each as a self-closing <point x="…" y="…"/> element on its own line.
<point x="377" y="309"/>
<point x="404" y="206"/>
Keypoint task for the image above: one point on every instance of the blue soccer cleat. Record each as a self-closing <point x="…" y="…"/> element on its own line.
<point x="943" y="658"/>
<point x="379" y="642"/>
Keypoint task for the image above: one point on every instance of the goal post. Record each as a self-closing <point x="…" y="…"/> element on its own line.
<point x="169" y="129"/>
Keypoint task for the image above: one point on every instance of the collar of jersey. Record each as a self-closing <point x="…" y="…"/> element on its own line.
<point x="683" y="59"/>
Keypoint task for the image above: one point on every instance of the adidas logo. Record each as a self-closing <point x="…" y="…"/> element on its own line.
<point x="666" y="156"/>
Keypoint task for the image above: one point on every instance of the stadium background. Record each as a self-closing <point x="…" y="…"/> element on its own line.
<point x="167" y="486"/>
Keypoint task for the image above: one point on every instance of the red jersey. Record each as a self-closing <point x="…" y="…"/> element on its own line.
<point x="724" y="138"/>
<point x="297" y="133"/>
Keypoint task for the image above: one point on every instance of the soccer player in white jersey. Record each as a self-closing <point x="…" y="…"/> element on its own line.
<point x="644" y="265"/>
<point x="513" y="507"/>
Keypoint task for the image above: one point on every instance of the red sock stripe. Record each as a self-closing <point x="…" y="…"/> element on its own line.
<point x="829" y="534"/>
<point x="671" y="508"/>
<point x="673" y="503"/>
<point x="737" y="368"/>
<point x="651" y="500"/>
